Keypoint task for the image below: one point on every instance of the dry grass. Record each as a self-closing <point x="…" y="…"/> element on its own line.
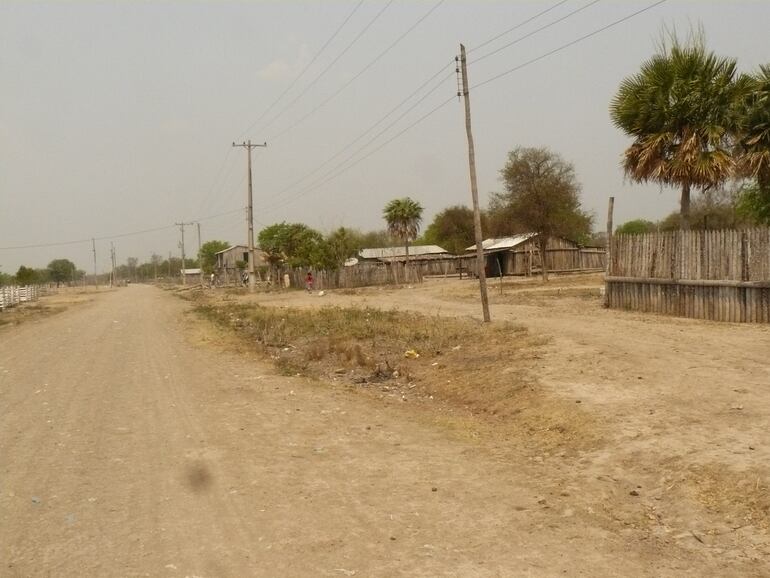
<point x="464" y="370"/>
<point x="741" y="497"/>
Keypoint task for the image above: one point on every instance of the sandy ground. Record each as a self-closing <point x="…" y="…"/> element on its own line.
<point x="130" y="448"/>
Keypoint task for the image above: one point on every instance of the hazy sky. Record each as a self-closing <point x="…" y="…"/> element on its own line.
<point x="117" y="117"/>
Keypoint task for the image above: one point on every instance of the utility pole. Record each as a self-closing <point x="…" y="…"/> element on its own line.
<point x="610" y="211"/>
<point x="93" y="246"/>
<point x="250" y="217"/>
<point x="112" y="263"/>
<point x="200" y="264"/>
<point x="169" y="264"/>
<point x="181" y="245"/>
<point x="608" y="252"/>
<point x="474" y="189"/>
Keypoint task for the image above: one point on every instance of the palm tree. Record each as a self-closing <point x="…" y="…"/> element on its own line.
<point x="403" y="217"/>
<point x="754" y="144"/>
<point x="679" y="109"/>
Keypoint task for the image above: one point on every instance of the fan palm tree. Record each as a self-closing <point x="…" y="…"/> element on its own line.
<point x="754" y="145"/>
<point x="403" y="217"/>
<point x="680" y="110"/>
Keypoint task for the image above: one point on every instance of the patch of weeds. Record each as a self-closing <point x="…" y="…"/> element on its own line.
<point x="483" y="370"/>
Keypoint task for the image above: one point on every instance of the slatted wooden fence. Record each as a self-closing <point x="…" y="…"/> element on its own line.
<point x="362" y="275"/>
<point x="718" y="275"/>
<point x="12" y="295"/>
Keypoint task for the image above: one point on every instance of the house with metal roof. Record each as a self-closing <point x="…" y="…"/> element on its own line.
<point x="520" y="255"/>
<point x="233" y="261"/>
<point x="389" y="254"/>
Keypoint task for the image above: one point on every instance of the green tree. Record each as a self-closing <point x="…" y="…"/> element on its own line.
<point x="403" y="217"/>
<point x="636" y="227"/>
<point x="26" y="276"/>
<point x="452" y="229"/>
<point x="754" y="203"/>
<point x="541" y="189"/>
<point x="372" y="239"/>
<point x="342" y="244"/>
<point x="754" y="142"/>
<point x="61" y="271"/>
<point x="718" y="209"/>
<point x="5" y="279"/>
<point x="294" y="244"/>
<point x="132" y="263"/>
<point x="680" y="111"/>
<point x="207" y="255"/>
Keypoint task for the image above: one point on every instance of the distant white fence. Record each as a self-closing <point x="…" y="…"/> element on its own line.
<point x="13" y="295"/>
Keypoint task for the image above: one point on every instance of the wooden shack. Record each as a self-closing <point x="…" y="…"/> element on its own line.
<point x="520" y="255"/>
<point x="232" y="261"/>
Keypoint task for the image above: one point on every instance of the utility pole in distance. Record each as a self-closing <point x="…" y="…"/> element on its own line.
<point x="252" y="275"/>
<point x="112" y="262"/>
<point x="474" y="190"/>
<point x="200" y="263"/>
<point x="181" y="245"/>
<point x="93" y="246"/>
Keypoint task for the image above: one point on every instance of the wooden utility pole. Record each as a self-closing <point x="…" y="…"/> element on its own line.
<point x="112" y="263"/>
<point x="474" y="190"/>
<point x="200" y="263"/>
<point x="250" y="216"/>
<point x="610" y="211"/>
<point x="93" y="247"/>
<point x="181" y="245"/>
<point x="608" y="254"/>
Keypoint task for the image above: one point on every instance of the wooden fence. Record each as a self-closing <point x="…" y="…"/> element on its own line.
<point x="717" y="275"/>
<point x="362" y="275"/>
<point x="13" y="295"/>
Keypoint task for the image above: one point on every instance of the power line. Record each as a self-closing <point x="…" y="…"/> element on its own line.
<point x="568" y="44"/>
<point x="519" y="25"/>
<point x="41" y="245"/>
<point x="118" y="236"/>
<point x="328" y="67"/>
<point x="372" y="127"/>
<point x="544" y="27"/>
<point x="206" y="198"/>
<point x="316" y="185"/>
<point x="309" y="64"/>
<point x="394" y="109"/>
<point x="360" y="160"/>
<point x="383" y="131"/>
<point x="278" y="99"/>
<point x="359" y="73"/>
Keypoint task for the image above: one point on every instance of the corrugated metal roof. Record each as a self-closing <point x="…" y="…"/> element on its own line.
<point x="503" y="242"/>
<point x="231" y="247"/>
<point x="391" y="252"/>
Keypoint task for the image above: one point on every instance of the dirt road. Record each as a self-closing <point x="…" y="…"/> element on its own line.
<point x="129" y="449"/>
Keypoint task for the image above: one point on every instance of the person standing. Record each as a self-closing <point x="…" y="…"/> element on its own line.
<point x="309" y="282"/>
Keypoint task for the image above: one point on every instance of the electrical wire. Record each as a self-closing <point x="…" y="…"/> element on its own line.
<point x="519" y="25"/>
<point x="329" y="66"/>
<point x="382" y="132"/>
<point x="537" y="30"/>
<point x="355" y="77"/>
<point x="360" y="160"/>
<point x="304" y="69"/>
<point x="118" y="236"/>
<point x="394" y="109"/>
<point x="205" y="202"/>
<point x="331" y="177"/>
<point x="368" y="130"/>
<point x="278" y="99"/>
<point x="569" y="44"/>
